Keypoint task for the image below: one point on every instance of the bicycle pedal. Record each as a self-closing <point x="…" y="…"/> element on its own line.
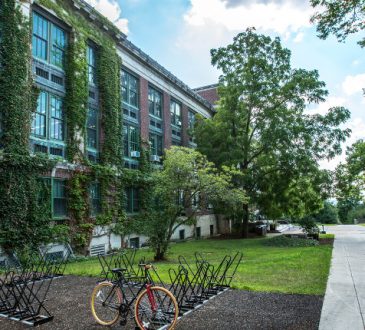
<point x="123" y="322"/>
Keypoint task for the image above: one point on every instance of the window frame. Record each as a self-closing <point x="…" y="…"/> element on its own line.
<point x="152" y="93"/>
<point x="48" y="118"/>
<point x="132" y="200"/>
<point x="95" y="210"/>
<point x="128" y="144"/>
<point x="51" y="46"/>
<point x="128" y="89"/>
<point x="155" y="137"/>
<point x="59" y="217"/>
<point x="97" y="129"/>
<point x="175" y="119"/>
<point x="91" y="67"/>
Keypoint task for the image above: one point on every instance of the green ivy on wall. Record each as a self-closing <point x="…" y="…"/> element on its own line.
<point x="24" y="219"/>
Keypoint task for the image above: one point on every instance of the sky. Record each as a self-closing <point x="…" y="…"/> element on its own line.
<point x="180" y="33"/>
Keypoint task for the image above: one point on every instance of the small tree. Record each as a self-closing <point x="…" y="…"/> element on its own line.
<point x="186" y="176"/>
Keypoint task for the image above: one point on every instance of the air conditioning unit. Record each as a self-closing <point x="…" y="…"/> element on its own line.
<point x="135" y="154"/>
<point x="155" y="158"/>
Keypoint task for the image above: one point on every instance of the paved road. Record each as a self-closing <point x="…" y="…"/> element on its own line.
<point x="344" y="302"/>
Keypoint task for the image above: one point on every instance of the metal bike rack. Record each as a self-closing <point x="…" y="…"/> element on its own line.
<point x="192" y="284"/>
<point x="23" y="289"/>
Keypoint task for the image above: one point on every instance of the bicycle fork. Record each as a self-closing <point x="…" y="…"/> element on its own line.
<point x="151" y="298"/>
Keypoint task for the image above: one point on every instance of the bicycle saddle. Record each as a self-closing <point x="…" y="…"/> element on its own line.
<point x="119" y="270"/>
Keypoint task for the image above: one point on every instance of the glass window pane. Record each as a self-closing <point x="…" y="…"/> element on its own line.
<point x="59" y="198"/>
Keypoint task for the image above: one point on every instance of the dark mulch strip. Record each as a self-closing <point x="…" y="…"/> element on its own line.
<point x="256" y="310"/>
<point x="69" y="302"/>
<point x="326" y="241"/>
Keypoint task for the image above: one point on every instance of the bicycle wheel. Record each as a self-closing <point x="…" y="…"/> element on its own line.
<point x="164" y="313"/>
<point x="105" y="301"/>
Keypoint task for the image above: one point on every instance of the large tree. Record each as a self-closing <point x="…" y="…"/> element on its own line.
<point x="262" y="127"/>
<point x="339" y="17"/>
<point x="350" y="180"/>
<point x="183" y="187"/>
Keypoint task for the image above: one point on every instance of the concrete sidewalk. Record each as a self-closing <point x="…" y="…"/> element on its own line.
<point x="344" y="302"/>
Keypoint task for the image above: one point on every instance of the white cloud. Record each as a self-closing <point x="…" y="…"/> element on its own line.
<point x="299" y="37"/>
<point x="278" y="17"/>
<point x="354" y="84"/>
<point x="322" y="108"/>
<point x="111" y="10"/>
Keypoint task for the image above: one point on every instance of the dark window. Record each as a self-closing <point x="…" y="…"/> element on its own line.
<point x="175" y="109"/>
<point x="132" y="195"/>
<point x="198" y="232"/>
<point x="182" y="234"/>
<point x="155" y="102"/>
<point x="95" y="199"/>
<point x="59" y="198"/>
<point x="129" y="89"/>
<point x="156" y="144"/>
<point x="134" y="243"/>
<point x="48" y="41"/>
<point x="131" y="139"/>
<point x="191" y="123"/>
<point x="211" y="229"/>
<point x="91" y="64"/>
<point x="92" y="127"/>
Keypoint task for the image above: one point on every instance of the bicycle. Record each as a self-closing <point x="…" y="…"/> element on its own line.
<point x="154" y="306"/>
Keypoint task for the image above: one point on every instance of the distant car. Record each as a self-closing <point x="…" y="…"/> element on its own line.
<point x="283" y="222"/>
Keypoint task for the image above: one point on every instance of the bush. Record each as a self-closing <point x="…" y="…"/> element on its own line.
<point x="283" y="241"/>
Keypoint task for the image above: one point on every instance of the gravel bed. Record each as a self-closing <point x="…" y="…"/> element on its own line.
<point x="68" y="301"/>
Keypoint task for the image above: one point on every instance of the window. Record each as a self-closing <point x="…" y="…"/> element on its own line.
<point x="191" y="123"/>
<point x="175" y="109"/>
<point x="156" y="144"/>
<point x="48" y="120"/>
<point x="48" y="41"/>
<point x="182" y="234"/>
<point x="92" y="128"/>
<point x="91" y="65"/>
<point x="129" y="89"/>
<point x="191" y="119"/>
<point x="95" y="199"/>
<point x="59" y="200"/>
<point x="131" y="139"/>
<point x="132" y="200"/>
<point x="155" y="102"/>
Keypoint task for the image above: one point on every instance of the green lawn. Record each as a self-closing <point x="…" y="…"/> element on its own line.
<point x="326" y="235"/>
<point x="302" y="270"/>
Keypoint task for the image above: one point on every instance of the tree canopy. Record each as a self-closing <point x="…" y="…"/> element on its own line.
<point x="339" y="17"/>
<point x="262" y="126"/>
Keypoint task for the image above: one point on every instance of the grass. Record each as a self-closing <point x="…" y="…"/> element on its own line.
<point x="300" y="270"/>
<point x="326" y="235"/>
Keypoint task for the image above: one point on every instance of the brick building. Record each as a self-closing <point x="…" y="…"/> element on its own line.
<point x="156" y="106"/>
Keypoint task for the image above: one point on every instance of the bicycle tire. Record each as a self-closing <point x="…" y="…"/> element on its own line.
<point x="105" y="304"/>
<point x="166" y="314"/>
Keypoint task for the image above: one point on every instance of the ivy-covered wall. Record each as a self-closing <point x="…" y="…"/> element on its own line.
<point x="24" y="215"/>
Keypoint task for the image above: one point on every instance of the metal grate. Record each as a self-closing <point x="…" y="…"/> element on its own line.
<point x="40" y="148"/>
<point x="41" y="73"/>
<point x="56" y="79"/>
<point x="56" y="151"/>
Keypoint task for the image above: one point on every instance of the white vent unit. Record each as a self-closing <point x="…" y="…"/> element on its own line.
<point x="135" y="154"/>
<point x="155" y="158"/>
<point x="97" y="249"/>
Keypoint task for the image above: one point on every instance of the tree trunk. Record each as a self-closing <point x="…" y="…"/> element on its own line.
<point x="245" y="218"/>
